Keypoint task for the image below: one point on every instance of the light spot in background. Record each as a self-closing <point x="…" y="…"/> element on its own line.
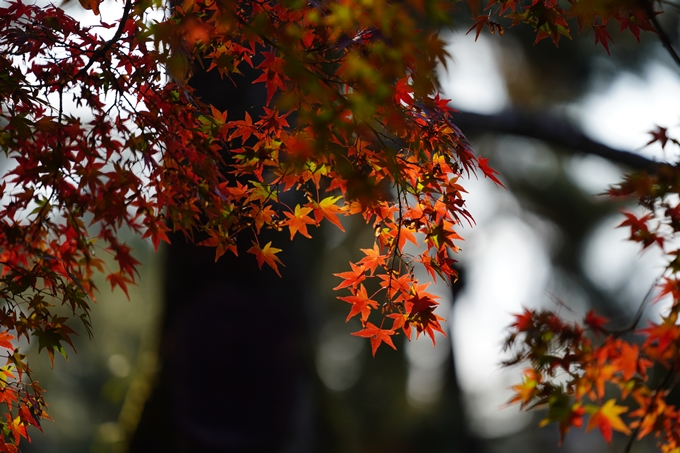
<point x="119" y="365"/>
<point x="337" y="358"/>
<point x="593" y="174"/>
<point x="622" y="115"/>
<point x="111" y="432"/>
<point x="507" y="271"/>
<point x="473" y="80"/>
<point x="527" y="160"/>
<point x="612" y="262"/>
<point x="74" y="421"/>
<point x="487" y="407"/>
<point x="427" y="368"/>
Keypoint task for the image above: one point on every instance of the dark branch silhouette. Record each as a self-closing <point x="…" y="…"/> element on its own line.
<point x="550" y="128"/>
<point x="663" y="36"/>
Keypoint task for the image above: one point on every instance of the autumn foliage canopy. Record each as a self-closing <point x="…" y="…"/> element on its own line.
<point x="102" y="132"/>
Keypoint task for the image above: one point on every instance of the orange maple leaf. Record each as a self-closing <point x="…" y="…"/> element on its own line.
<point x="627" y="361"/>
<point x="361" y="303"/>
<point x="352" y="278"/>
<point x="17" y="428"/>
<point x="298" y="221"/>
<point x="4" y="340"/>
<point x="373" y="258"/>
<point x="266" y="254"/>
<point x="328" y="209"/>
<point x="663" y="334"/>
<point x="376" y="335"/>
<point x="607" y="419"/>
<point x="526" y="391"/>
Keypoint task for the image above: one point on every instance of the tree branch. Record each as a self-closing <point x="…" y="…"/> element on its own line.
<point x="665" y="40"/>
<point x="107" y="46"/>
<point x="550" y="128"/>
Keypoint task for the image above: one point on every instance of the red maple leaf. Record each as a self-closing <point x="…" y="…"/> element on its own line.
<point x="488" y="171"/>
<point x="602" y="36"/>
<point x="595" y="321"/>
<point x="659" y="135"/>
<point x="480" y="21"/>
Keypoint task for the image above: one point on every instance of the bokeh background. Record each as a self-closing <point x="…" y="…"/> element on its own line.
<point x="549" y="240"/>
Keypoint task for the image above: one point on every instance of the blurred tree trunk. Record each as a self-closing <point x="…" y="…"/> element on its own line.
<point x="235" y="374"/>
<point x="236" y="354"/>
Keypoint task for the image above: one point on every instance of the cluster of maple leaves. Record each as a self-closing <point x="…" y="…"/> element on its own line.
<point x="104" y="134"/>
<point x="551" y="20"/>
<point x="580" y="369"/>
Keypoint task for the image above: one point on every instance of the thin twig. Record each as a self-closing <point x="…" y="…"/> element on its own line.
<point x="638" y="314"/>
<point x="665" y="40"/>
<point x="107" y="46"/>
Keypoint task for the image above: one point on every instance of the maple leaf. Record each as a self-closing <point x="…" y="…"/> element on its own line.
<point x="663" y="334"/>
<point x="377" y="336"/>
<point x="398" y="286"/>
<point x="27" y="417"/>
<point x="627" y="361"/>
<point x="352" y="278"/>
<point x="401" y="322"/>
<point x="488" y="171"/>
<point x="480" y="21"/>
<point x="607" y="419"/>
<point x="602" y="36"/>
<point x="653" y="414"/>
<point x="17" y="428"/>
<point x="328" y="209"/>
<point x="91" y="5"/>
<point x="373" y="259"/>
<point x="639" y="230"/>
<point x="420" y="309"/>
<point x="298" y="221"/>
<point x="602" y="375"/>
<point x="561" y="410"/>
<point x="659" y="135"/>
<point x="272" y="70"/>
<point x="361" y="304"/>
<point x="8" y="396"/>
<point x="5" y="342"/>
<point x="403" y="92"/>
<point x="526" y="391"/>
<point x="157" y="231"/>
<point x="595" y="321"/>
<point x="525" y="321"/>
<point x="266" y="254"/>
<point x="121" y="280"/>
